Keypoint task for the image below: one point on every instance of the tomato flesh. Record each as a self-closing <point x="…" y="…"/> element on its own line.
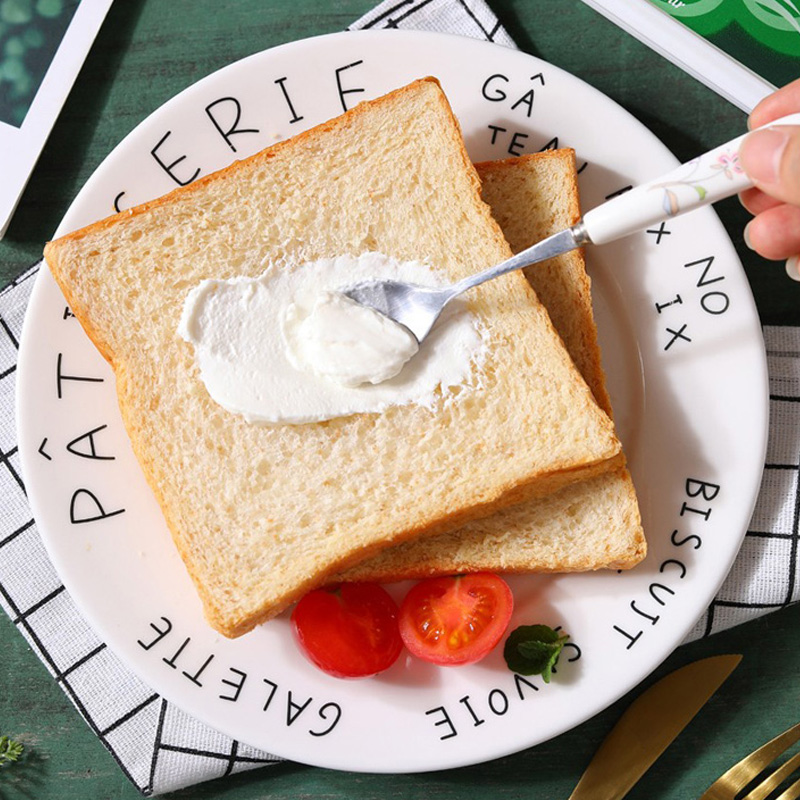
<point x="455" y="620"/>
<point x="349" y="631"/>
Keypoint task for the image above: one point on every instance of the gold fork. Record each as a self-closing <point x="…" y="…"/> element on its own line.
<point x="729" y="785"/>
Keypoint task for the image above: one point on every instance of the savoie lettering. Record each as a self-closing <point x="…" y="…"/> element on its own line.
<point x="474" y="710"/>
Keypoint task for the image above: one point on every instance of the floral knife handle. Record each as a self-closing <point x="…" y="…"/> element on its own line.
<point x="704" y="180"/>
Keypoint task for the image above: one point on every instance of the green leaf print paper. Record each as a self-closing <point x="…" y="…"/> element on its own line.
<point x="30" y="32"/>
<point x="43" y="44"/>
<point x="763" y="35"/>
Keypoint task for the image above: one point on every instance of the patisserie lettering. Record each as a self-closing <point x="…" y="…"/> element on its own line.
<point x="695" y="510"/>
<point x="85" y="506"/>
<point x="232" y="129"/>
<point x="234" y="121"/>
<point x="203" y="670"/>
<point x="169" y="166"/>
<point x="343" y="92"/>
<point x="295" y="116"/>
<point x="225" y="115"/>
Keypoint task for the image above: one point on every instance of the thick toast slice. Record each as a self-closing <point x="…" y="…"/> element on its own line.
<point x="261" y="514"/>
<point x="590" y="525"/>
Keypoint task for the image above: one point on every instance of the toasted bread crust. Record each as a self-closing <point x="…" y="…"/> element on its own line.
<point x="588" y="526"/>
<point x="256" y="539"/>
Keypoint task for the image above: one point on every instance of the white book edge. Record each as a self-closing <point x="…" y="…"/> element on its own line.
<point x="687" y="50"/>
<point x="20" y="147"/>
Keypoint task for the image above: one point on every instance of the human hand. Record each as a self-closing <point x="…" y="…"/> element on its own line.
<point x="771" y="158"/>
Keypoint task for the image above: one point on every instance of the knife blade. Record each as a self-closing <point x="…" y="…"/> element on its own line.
<point x="649" y="726"/>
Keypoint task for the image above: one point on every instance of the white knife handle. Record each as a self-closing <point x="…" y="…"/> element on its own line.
<point x="704" y="180"/>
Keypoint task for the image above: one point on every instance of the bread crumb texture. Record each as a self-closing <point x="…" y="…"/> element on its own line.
<point x="262" y="514"/>
<point x="590" y="525"/>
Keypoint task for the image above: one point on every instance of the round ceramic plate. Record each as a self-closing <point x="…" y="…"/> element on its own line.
<point x="686" y="368"/>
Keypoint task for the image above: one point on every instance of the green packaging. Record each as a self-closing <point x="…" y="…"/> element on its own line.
<point x="763" y="35"/>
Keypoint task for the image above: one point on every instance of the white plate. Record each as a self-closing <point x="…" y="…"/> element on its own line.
<point x="687" y="373"/>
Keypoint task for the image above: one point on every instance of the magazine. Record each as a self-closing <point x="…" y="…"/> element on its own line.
<point x="742" y="49"/>
<point x="43" y="45"/>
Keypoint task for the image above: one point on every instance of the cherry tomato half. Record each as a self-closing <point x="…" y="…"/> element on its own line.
<point x="453" y="621"/>
<point x="349" y="631"/>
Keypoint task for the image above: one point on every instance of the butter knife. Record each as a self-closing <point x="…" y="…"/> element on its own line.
<point x="649" y="726"/>
<point x="706" y="179"/>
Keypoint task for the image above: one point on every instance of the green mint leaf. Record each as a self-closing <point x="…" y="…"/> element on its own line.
<point x="534" y="650"/>
<point x="540" y="657"/>
<point x="9" y="750"/>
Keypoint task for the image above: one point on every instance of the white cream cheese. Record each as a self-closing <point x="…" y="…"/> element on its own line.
<point x="258" y="343"/>
<point x="351" y="344"/>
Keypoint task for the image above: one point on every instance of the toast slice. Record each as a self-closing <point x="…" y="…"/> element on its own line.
<point x="590" y="525"/>
<point x="262" y="514"/>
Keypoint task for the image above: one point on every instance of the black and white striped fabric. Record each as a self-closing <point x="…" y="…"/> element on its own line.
<point x="764" y="576"/>
<point x="464" y="17"/>
<point x="162" y="749"/>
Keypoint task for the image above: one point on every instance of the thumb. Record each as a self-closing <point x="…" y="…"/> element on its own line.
<point x="771" y="157"/>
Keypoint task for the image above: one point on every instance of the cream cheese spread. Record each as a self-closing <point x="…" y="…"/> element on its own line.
<point x="268" y="348"/>
<point x="351" y="344"/>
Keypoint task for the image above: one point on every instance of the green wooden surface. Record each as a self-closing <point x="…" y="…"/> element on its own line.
<point x="146" y="52"/>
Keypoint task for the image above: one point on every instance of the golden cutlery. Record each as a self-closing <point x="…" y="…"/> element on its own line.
<point x="741" y="775"/>
<point x="648" y="727"/>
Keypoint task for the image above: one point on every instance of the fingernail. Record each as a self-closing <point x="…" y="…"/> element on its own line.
<point x="793" y="268"/>
<point x="761" y="154"/>
<point x="746" y="235"/>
